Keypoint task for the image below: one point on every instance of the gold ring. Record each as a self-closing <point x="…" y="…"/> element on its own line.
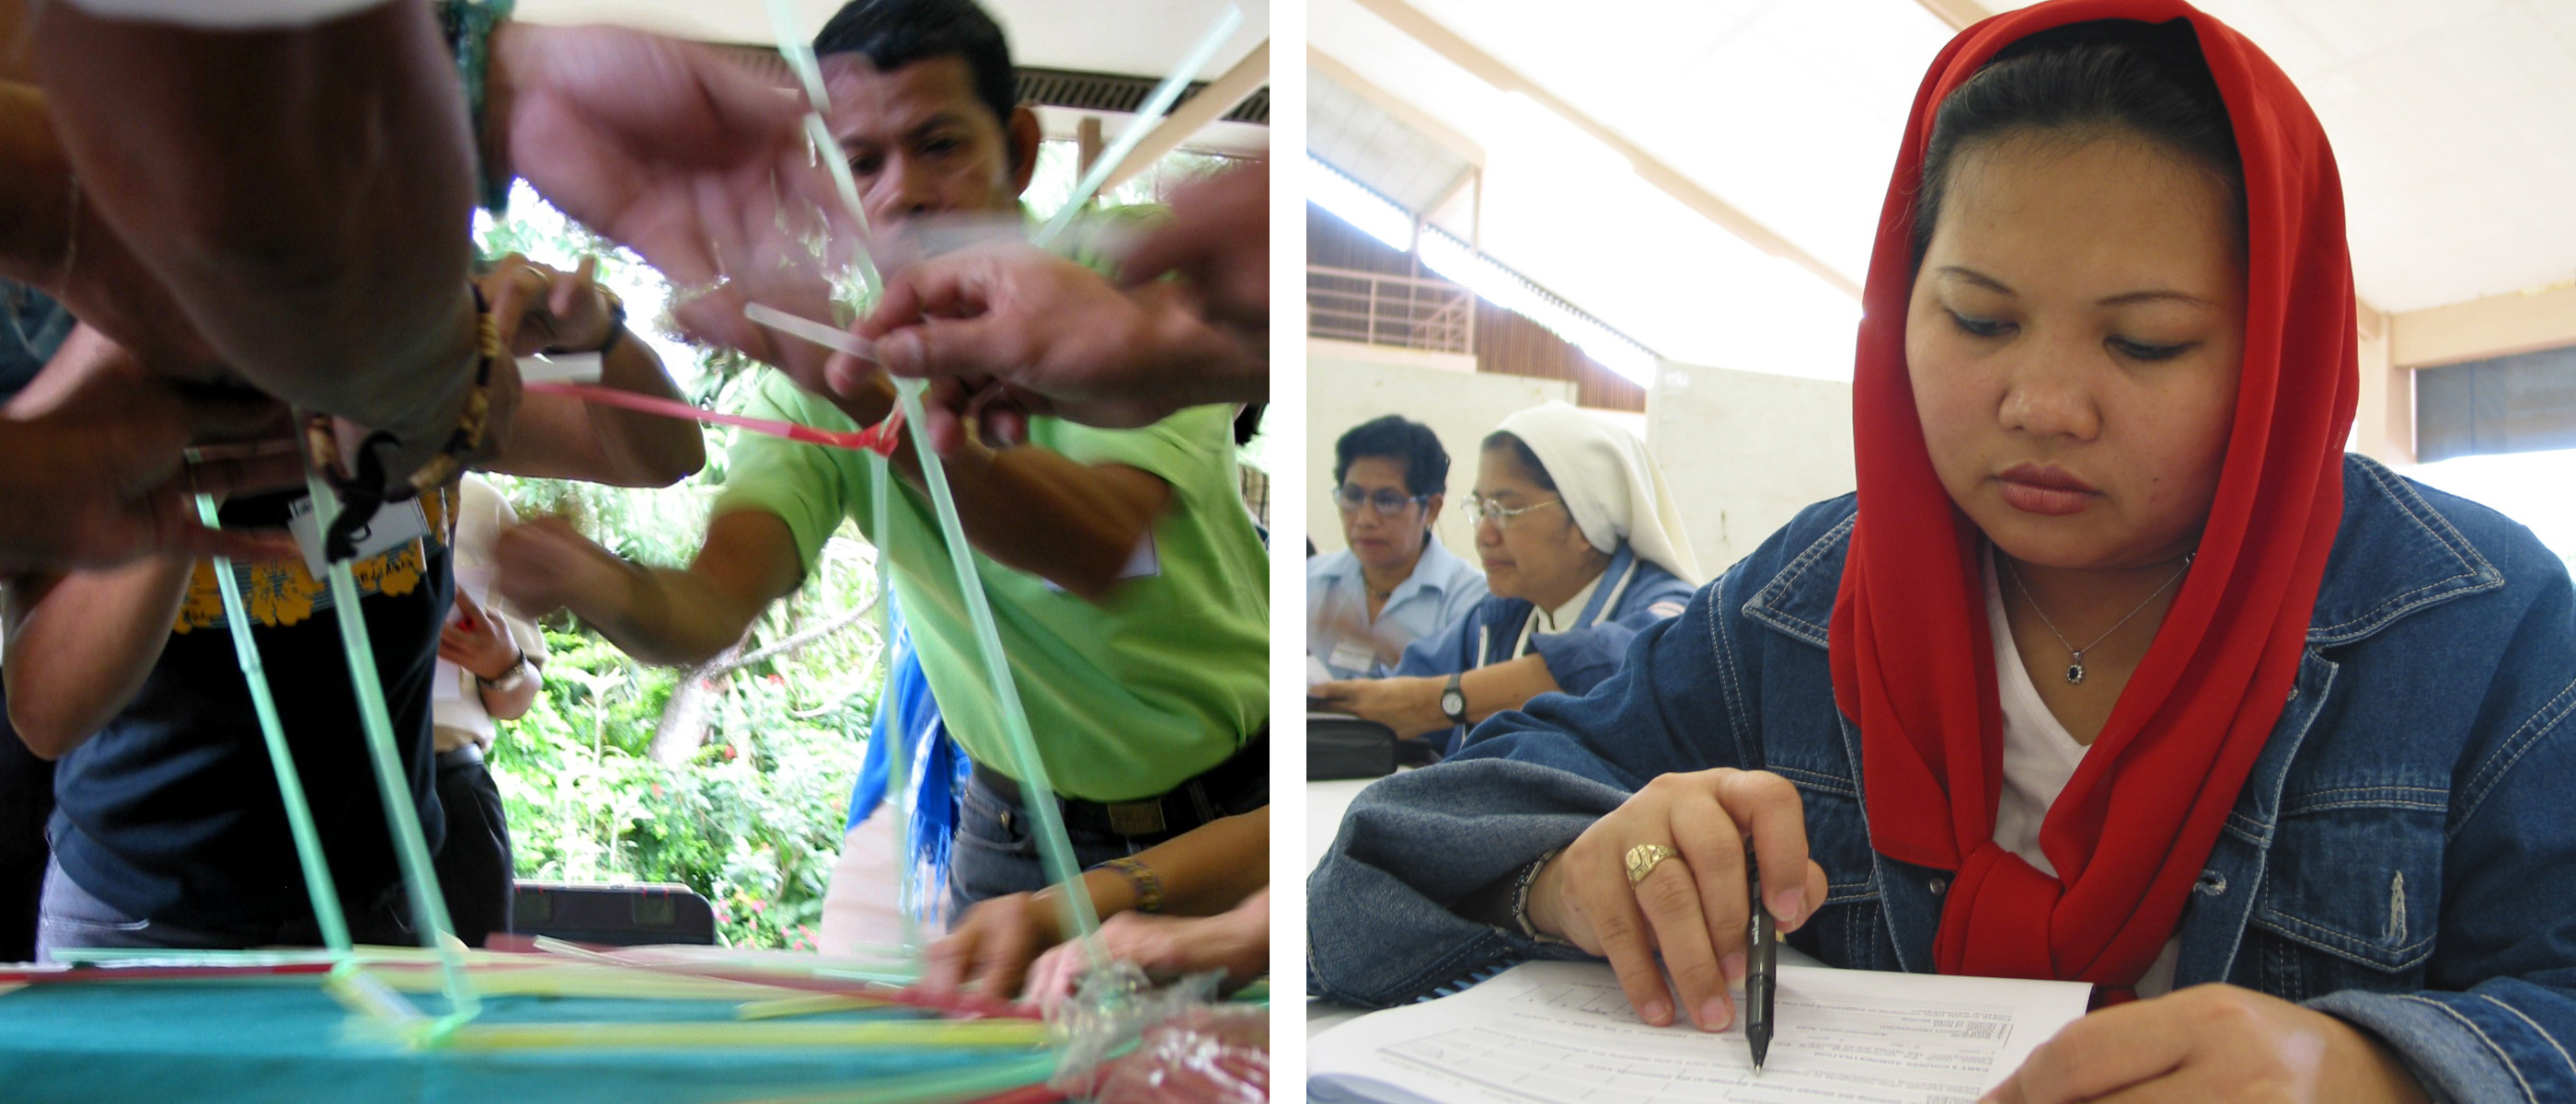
<point x="1643" y="858"/>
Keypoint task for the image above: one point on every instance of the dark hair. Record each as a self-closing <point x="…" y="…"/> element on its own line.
<point x="1500" y="439"/>
<point x="1426" y="464"/>
<point x="896" y="33"/>
<point x="2085" y="81"/>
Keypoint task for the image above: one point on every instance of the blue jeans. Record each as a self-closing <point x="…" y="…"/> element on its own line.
<point x="997" y="853"/>
<point x="71" y="917"/>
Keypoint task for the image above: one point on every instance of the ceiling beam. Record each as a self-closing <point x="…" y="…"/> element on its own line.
<point x="2497" y="325"/>
<point x="1959" y="14"/>
<point x="1420" y="121"/>
<point x="1486" y="67"/>
<point x="1211" y="103"/>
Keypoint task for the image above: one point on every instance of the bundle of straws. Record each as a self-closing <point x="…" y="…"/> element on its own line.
<point x="376" y="984"/>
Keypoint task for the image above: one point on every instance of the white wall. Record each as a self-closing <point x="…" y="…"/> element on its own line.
<point x="1745" y="451"/>
<point x="1347" y="384"/>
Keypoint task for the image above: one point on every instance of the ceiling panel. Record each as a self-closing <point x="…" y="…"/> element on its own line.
<point x="1143" y="38"/>
<point x="2450" y="121"/>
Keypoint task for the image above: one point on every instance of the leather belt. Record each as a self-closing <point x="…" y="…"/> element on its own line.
<point x="1208" y="796"/>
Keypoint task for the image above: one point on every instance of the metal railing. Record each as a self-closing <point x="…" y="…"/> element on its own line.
<point x="1378" y="309"/>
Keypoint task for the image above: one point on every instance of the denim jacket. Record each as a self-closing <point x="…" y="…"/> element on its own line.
<point x="1633" y="593"/>
<point x="2402" y="856"/>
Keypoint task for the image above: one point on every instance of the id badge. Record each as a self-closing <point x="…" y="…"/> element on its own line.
<point x="1354" y="655"/>
<point x="394" y="524"/>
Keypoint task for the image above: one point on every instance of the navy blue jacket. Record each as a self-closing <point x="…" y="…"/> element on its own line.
<point x="1633" y="594"/>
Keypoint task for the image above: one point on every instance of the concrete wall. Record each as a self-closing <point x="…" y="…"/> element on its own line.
<point x="1745" y="451"/>
<point x="1347" y="384"/>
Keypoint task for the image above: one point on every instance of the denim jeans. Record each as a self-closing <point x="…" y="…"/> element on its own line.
<point x="997" y="853"/>
<point x="71" y="918"/>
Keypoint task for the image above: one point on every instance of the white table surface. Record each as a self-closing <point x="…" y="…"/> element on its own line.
<point x="1325" y="803"/>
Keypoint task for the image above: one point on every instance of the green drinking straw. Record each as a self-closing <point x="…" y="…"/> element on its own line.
<point x="290" y="782"/>
<point x="411" y="846"/>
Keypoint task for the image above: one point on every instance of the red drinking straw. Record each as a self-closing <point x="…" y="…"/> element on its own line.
<point x="880" y="439"/>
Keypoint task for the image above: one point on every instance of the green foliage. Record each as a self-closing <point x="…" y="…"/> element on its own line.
<point x="752" y="818"/>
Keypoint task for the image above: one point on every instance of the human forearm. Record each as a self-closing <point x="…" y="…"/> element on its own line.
<point x="79" y="646"/>
<point x="1510" y="684"/>
<point x="35" y="188"/>
<point x="650" y="449"/>
<point x="658" y="615"/>
<point x="559" y="437"/>
<point x="1073" y="524"/>
<point x="508" y="705"/>
<point x="300" y="191"/>
<point x="1202" y="872"/>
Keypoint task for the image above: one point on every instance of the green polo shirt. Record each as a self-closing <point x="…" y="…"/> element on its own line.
<point x="1128" y="698"/>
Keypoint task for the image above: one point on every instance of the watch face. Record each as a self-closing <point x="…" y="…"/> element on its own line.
<point x="1452" y="702"/>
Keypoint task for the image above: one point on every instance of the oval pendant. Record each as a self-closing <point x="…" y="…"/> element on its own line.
<point x="2074" y="674"/>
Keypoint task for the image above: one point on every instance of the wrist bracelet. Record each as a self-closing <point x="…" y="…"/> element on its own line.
<point x="368" y="490"/>
<point x="616" y="327"/>
<point x="1149" y="885"/>
<point x="1520" y="900"/>
<point x="468" y="25"/>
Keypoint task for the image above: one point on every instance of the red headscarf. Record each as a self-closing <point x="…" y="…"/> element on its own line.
<point x="1912" y="658"/>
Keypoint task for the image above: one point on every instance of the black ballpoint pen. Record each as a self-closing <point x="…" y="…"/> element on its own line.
<point x="1760" y="969"/>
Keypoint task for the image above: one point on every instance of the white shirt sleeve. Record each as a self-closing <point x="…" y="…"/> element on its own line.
<point x="226" y="15"/>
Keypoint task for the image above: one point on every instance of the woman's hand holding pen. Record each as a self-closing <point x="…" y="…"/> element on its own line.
<point x="1693" y="911"/>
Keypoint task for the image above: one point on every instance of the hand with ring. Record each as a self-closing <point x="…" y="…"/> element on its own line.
<point x="1616" y="891"/>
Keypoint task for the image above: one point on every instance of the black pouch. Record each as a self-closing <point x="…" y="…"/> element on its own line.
<point x="1342" y="746"/>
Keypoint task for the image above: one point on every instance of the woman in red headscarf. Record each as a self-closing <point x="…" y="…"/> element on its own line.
<point x="2116" y="669"/>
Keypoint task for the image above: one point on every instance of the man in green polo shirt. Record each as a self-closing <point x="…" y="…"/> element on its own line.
<point x="1128" y="583"/>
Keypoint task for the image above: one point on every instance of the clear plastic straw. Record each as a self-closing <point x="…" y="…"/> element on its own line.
<point x="290" y="782"/>
<point x="1055" y="848"/>
<point x="1165" y="95"/>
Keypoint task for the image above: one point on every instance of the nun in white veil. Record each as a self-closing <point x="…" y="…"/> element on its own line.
<point x="1582" y="548"/>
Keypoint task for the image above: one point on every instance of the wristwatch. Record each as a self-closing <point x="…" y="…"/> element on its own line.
<point x="511" y="679"/>
<point x="1453" y="701"/>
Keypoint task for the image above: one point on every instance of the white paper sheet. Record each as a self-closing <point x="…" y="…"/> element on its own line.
<point x="1561" y="1033"/>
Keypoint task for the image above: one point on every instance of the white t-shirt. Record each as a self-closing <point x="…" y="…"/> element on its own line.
<point x="2039" y="757"/>
<point x="457" y="717"/>
<point x="232" y="15"/>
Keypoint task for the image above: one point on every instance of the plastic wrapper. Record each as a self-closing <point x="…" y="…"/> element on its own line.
<point x="1211" y="1054"/>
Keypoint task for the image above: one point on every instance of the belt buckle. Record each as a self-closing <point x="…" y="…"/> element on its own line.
<point x="1136" y="818"/>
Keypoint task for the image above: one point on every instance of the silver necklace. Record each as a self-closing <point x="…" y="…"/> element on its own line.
<point x="2075" y="662"/>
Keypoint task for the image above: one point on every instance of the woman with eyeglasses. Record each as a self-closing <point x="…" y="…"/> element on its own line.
<point x="1582" y="547"/>
<point x="1394" y="584"/>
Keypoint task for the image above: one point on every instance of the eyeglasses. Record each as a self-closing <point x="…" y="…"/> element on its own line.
<point x="1482" y="510"/>
<point x="1387" y="500"/>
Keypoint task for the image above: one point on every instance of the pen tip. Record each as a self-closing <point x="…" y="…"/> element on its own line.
<point x="1761" y="1048"/>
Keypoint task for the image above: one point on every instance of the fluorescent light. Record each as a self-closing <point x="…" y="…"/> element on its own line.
<point x="1355" y="204"/>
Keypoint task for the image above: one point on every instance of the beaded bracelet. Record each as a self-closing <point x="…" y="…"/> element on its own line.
<point x="368" y="490"/>
<point x="1149" y="885"/>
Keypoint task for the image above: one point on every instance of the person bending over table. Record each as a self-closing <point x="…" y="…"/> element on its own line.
<point x="169" y="830"/>
<point x="1395" y="584"/>
<point x="1123" y="569"/>
<point x="2115" y="670"/>
<point x="1582" y="548"/>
